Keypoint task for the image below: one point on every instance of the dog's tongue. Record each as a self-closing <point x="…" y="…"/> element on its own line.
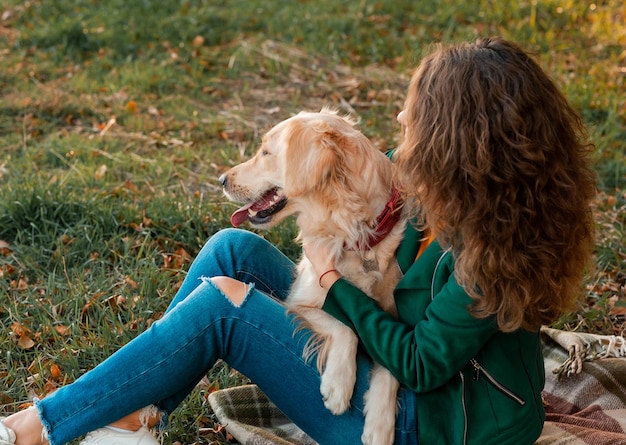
<point x="240" y="216"/>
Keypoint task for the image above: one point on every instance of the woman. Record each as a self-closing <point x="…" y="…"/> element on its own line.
<point x="493" y="163"/>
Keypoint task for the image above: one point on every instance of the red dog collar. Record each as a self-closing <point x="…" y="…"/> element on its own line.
<point x="386" y="219"/>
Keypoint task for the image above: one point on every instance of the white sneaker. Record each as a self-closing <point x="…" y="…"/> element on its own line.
<point x="110" y="436"/>
<point x="7" y="436"/>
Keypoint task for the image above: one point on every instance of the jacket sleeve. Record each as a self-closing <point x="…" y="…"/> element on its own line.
<point x="426" y="355"/>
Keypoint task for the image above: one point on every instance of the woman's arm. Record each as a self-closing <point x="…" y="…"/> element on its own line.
<point x="423" y="356"/>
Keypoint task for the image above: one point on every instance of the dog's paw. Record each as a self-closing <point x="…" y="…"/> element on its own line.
<point x="339" y="375"/>
<point x="337" y="389"/>
<point x="379" y="426"/>
<point x="380" y="408"/>
<point x="377" y="434"/>
<point x="336" y="394"/>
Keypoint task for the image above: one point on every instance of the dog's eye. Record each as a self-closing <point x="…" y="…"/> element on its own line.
<point x="265" y="153"/>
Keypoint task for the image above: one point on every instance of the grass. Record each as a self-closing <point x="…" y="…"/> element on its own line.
<point x="117" y="118"/>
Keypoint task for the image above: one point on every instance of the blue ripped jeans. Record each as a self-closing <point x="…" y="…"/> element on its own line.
<point x="163" y="364"/>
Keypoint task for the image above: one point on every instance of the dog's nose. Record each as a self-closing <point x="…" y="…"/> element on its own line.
<point x="222" y="179"/>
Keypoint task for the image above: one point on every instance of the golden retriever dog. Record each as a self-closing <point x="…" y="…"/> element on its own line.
<point x="320" y="168"/>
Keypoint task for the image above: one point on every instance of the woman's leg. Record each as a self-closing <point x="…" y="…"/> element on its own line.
<point x="244" y="256"/>
<point x="241" y="255"/>
<point x="256" y="338"/>
<point x="230" y="252"/>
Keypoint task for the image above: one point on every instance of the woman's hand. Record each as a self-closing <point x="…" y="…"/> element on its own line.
<point x="323" y="264"/>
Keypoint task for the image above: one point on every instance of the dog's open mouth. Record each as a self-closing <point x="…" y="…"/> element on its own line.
<point x="260" y="211"/>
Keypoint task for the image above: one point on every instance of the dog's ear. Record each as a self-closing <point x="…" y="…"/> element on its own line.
<point x="314" y="158"/>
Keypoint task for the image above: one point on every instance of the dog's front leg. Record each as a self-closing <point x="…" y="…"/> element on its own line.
<point x="380" y="407"/>
<point x="336" y="346"/>
<point x="339" y="374"/>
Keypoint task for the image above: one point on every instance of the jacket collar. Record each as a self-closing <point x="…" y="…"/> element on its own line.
<point x="419" y="277"/>
<point x="408" y="247"/>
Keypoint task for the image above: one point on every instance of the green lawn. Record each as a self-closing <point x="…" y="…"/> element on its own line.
<point x="117" y="118"/>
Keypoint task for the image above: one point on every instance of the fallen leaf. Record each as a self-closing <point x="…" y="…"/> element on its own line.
<point x="198" y="41"/>
<point x="618" y="310"/>
<point x="102" y="128"/>
<point x="132" y="283"/>
<point x="50" y="386"/>
<point x="55" y="371"/>
<point x="62" y="330"/>
<point x="66" y="239"/>
<point x="25" y="342"/>
<point x="611" y="200"/>
<point x="18" y="329"/>
<point x="115" y="301"/>
<point x="5" y="399"/>
<point x="177" y="260"/>
<point x="20" y="284"/>
<point x="100" y="172"/>
<point x="128" y="185"/>
<point x="5" y="248"/>
<point x="85" y="309"/>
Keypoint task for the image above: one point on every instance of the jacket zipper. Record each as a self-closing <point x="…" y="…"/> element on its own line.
<point x="432" y="296"/>
<point x="477" y="366"/>
<point x="432" y="281"/>
<point x="499" y="386"/>
<point x="464" y="407"/>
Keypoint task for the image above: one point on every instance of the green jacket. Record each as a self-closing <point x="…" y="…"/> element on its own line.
<point x="475" y="384"/>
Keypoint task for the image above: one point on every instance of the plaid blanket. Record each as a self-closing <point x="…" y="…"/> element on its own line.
<point x="585" y="392"/>
<point x="584" y="396"/>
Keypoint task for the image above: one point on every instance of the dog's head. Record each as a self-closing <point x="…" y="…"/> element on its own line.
<point x="316" y="165"/>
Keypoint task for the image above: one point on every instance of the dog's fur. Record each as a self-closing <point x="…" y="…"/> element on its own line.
<point x="319" y="167"/>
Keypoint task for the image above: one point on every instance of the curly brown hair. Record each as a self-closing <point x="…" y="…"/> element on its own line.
<point x="498" y="163"/>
